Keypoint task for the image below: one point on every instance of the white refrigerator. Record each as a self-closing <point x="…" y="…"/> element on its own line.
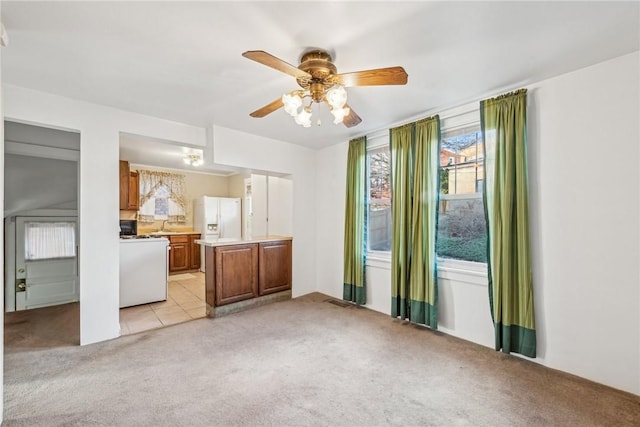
<point x="217" y="218"/>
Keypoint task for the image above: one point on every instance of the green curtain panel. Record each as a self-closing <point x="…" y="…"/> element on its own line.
<point x="401" y="195"/>
<point x="355" y="223"/>
<point x="415" y="153"/>
<point x="504" y="126"/>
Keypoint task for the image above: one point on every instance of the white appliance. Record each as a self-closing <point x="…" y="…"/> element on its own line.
<point x="217" y="218"/>
<point x="144" y="270"/>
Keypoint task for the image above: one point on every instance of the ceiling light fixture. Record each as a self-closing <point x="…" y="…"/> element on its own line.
<point x="334" y="96"/>
<point x="193" y="160"/>
<point x="319" y="80"/>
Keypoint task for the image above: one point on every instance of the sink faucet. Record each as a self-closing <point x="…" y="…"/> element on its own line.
<point x="162" y="228"/>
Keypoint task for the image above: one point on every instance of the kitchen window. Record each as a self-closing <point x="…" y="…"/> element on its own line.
<point x="162" y="196"/>
<point x="161" y="199"/>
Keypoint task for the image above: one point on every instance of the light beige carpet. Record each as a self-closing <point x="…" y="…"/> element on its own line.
<point x="303" y="362"/>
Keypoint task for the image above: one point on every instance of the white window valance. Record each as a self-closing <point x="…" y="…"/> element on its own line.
<point x="162" y="196"/>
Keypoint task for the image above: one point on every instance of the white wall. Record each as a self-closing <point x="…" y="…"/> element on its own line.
<point x="584" y="207"/>
<point x="231" y="147"/>
<point x="259" y="203"/>
<point x="99" y="129"/>
<point x="280" y="194"/>
<point x="583" y="168"/>
<point x="39" y="183"/>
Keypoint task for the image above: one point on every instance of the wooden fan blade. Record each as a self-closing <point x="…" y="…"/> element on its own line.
<point x="267" y="109"/>
<point x="352" y="119"/>
<point x="377" y="77"/>
<point x="275" y="63"/>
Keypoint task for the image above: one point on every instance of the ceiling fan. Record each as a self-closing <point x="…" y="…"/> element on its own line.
<point x="320" y="82"/>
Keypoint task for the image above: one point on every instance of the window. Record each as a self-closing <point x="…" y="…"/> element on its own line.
<point x="161" y="196"/>
<point x="49" y="240"/>
<point x="379" y="199"/>
<point x="461" y="224"/>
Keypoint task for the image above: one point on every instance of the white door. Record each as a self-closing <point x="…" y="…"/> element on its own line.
<point x="46" y="261"/>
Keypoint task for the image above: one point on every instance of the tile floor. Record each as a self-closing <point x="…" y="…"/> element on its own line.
<point x="185" y="302"/>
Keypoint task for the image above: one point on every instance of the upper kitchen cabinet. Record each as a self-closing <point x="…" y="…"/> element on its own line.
<point x="129" y="188"/>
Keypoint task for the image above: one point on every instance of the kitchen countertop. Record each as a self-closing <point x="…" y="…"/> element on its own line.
<point x="150" y="239"/>
<point x="232" y="241"/>
<point x="170" y="233"/>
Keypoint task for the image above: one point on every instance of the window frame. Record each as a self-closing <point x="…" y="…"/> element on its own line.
<point x="465" y="119"/>
<point x="375" y="142"/>
<point x="452" y="119"/>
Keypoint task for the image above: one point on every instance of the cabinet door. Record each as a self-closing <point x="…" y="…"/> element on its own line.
<point x="134" y="191"/>
<point x="124" y="185"/>
<point x="179" y="253"/>
<point x="236" y="270"/>
<point x="275" y="266"/>
<point x="195" y="252"/>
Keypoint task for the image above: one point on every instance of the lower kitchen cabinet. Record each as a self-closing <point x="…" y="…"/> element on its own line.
<point x="194" y="256"/>
<point x="243" y="271"/>
<point x="275" y="266"/>
<point x="179" y="253"/>
<point x="185" y="253"/>
<point x="236" y="273"/>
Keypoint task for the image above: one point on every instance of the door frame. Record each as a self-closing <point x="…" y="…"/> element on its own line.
<point x="33" y="150"/>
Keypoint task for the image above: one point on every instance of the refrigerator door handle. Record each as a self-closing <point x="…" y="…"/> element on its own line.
<point x="220" y="223"/>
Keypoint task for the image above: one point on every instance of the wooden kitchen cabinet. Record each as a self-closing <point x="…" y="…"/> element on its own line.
<point x="184" y="254"/>
<point x="275" y="266"/>
<point x="179" y="253"/>
<point x="129" y="188"/>
<point x="194" y="255"/>
<point x="124" y="184"/>
<point x="134" y="191"/>
<point x="236" y="273"/>
<point x="244" y="271"/>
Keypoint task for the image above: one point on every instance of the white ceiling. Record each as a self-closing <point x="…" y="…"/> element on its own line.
<point x="182" y="60"/>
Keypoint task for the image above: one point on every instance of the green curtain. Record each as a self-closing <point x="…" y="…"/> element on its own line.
<point x="355" y="223"/>
<point x="401" y="181"/>
<point x="415" y="154"/>
<point x="504" y="126"/>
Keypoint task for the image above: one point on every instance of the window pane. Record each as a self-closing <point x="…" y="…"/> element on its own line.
<point x="46" y="240"/>
<point x="461" y="224"/>
<point x="461" y="155"/>
<point x="162" y="206"/>
<point x="379" y="231"/>
<point x="379" y="212"/>
<point x="462" y="232"/>
<point x="161" y="209"/>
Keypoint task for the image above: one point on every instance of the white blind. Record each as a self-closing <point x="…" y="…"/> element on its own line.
<point x="46" y="240"/>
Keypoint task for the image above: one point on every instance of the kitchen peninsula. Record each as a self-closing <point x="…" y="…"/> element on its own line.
<point x="241" y="273"/>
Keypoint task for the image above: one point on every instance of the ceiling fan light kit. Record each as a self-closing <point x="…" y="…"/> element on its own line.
<point x="335" y="97"/>
<point x="320" y="82"/>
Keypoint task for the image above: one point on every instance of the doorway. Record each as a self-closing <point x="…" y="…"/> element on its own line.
<point x="41" y="176"/>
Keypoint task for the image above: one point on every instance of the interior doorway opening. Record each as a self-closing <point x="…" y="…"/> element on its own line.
<point x="41" y="188"/>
